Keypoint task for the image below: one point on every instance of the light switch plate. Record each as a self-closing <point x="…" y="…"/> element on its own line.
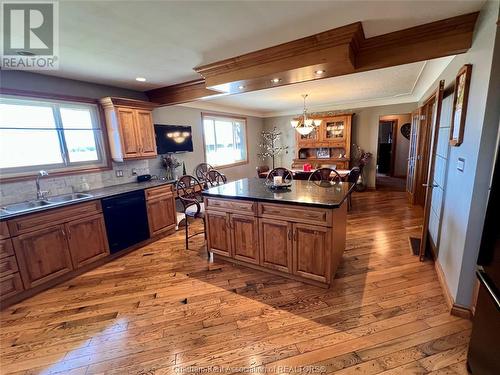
<point x="119" y="173"/>
<point x="461" y="164"/>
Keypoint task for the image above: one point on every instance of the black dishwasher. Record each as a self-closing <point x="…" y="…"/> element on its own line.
<point x="126" y="220"/>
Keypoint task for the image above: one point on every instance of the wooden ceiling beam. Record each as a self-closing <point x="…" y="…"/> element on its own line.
<point x="339" y="51"/>
<point x="181" y="93"/>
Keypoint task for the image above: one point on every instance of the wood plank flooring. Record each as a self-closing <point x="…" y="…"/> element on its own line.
<point x="165" y="310"/>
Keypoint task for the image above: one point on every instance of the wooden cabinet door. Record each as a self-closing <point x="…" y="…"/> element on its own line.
<point x="10" y="285"/>
<point x="276" y="244"/>
<point x="87" y="240"/>
<point x="334" y="130"/>
<point x="218" y="236"/>
<point x="128" y="132"/>
<point x="161" y="214"/>
<point x="244" y="235"/>
<point x="311" y="252"/>
<point x="42" y="255"/>
<point x="146" y="133"/>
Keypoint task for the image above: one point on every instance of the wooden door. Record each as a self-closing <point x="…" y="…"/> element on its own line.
<point x="435" y="115"/>
<point x="161" y="214"/>
<point x="146" y="133"/>
<point x="244" y="232"/>
<point x="42" y="255"/>
<point x="218" y="236"/>
<point x="87" y="240"/>
<point x="412" y="156"/>
<point x="311" y="252"/>
<point x="128" y="133"/>
<point x="276" y="244"/>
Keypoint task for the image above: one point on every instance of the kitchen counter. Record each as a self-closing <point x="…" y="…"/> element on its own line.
<point x="302" y="193"/>
<point x="298" y="233"/>
<point x="95" y="194"/>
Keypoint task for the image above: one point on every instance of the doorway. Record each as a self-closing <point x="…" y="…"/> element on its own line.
<point x="392" y="151"/>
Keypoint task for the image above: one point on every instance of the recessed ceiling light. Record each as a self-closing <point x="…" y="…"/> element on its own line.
<point x="318" y="72"/>
<point x="25" y="53"/>
<point x="141" y="79"/>
<point x="241" y="87"/>
<point x="276" y="80"/>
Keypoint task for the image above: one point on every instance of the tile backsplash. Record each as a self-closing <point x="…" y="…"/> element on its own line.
<point x="25" y="190"/>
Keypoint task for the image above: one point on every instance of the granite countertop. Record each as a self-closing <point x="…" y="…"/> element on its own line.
<point x="100" y="193"/>
<point x="301" y="192"/>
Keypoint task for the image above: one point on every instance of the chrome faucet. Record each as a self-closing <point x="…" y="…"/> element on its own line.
<point x="39" y="193"/>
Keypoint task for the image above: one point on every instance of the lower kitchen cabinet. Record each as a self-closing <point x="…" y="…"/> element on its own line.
<point x="244" y="230"/>
<point x="11" y="285"/>
<point x="276" y="244"/>
<point x="87" y="240"/>
<point x="161" y="214"/>
<point x="311" y="252"/>
<point x="218" y="236"/>
<point x="42" y="255"/>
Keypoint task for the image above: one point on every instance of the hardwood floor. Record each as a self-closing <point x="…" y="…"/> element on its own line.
<point x="162" y="309"/>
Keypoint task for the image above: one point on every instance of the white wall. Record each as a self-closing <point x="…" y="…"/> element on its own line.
<point x="466" y="192"/>
<point x="182" y="115"/>
<point x="364" y="132"/>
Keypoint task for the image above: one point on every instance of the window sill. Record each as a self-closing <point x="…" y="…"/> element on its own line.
<point x="33" y="175"/>
<point x="239" y="163"/>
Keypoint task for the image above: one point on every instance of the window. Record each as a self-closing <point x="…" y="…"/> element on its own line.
<point x="225" y="140"/>
<point x="51" y="135"/>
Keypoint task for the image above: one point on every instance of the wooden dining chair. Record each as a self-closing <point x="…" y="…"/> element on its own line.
<point x="352" y="177"/>
<point x="215" y="178"/>
<point x="325" y="175"/>
<point x="262" y="171"/>
<point x="189" y="193"/>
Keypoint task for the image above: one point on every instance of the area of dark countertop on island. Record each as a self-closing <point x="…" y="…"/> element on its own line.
<point x="301" y="192"/>
<point x="100" y="193"/>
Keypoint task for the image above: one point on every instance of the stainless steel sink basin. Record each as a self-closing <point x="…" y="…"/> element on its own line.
<point x="34" y="205"/>
<point x="25" y="206"/>
<point x="68" y="197"/>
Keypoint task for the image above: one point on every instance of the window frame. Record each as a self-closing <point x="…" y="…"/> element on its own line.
<point x="61" y="169"/>
<point x="225" y="116"/>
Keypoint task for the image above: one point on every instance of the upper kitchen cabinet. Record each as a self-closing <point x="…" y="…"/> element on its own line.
<point x="130" y="128"/>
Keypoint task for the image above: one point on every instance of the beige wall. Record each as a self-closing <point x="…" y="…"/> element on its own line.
<point x="180" y="115"/>
<point x="402" y="144"/>
<point x="364" y="132"/>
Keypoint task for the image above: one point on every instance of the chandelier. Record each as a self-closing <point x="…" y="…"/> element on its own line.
<point x="305" y="125"/>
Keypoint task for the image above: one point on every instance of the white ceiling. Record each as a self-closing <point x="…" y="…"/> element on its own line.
<point x="398" y="84"/>
<point x="113" y="42"/>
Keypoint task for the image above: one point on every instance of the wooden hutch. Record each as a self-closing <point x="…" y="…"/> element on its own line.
<point x="327" y="145"/>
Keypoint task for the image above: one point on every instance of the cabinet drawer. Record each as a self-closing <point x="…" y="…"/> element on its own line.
<point x="8" y="265"/>
<point x="158" y="191"/>
<point x="10" y="285"/>
<point x="6" y="248"/>
<point x="239" y="206"/>
<point x="296" y="213"/>
<point x="4" y="230"/>
<point x="52" y="217"/>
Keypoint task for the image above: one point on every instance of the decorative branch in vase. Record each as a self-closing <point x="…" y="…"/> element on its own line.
<point x="269" y="146"/>
<point x="170" y="163"/>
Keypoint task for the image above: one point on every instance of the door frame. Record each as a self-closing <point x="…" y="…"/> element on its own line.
<point x="434" y="130"/>
<point x="395" y="125"/>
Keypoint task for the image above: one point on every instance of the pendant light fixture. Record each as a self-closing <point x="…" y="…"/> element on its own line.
<point x="305" y="125"/>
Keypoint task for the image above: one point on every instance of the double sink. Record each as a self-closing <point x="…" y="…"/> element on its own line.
<point x="51" y="201"/>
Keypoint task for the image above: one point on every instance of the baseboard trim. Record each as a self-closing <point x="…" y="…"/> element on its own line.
<point x="455" y="309"/>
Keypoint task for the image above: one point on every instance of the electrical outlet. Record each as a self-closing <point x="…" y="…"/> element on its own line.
<point x="461" y="164"/>
<point x="119" y="173"/>
<point x="134" y="172"/>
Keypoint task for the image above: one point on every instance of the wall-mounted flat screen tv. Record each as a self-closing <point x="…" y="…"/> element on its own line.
<point x="173" y="138"/>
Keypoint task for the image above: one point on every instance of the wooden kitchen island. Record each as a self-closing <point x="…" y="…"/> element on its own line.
<point x="298" y="233"/>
